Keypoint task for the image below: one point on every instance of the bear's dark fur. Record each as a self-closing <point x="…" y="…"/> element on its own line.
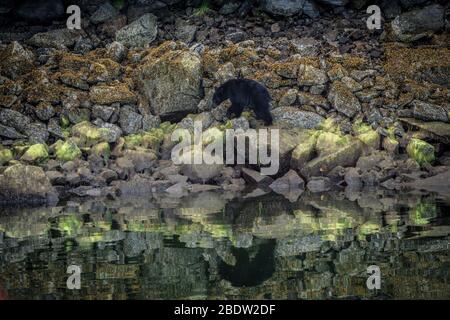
<point x="245" y="93"/>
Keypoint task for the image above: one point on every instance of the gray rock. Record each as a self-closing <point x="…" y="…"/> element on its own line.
<point x="37" y="132"/>
<point x="55" y="129"/>
<point x="140" y="32"/>
<point x="236" y="37"/>
<point x="411" y="3"/>
<point x="283" y="7"/>
<point x="311" y="76"/>
<point x="102" y="112"/>
<point x="14" y="119"/>
<point x="343" y="100"/>
<point x="10" y="133"/>
<point x="114" y="132"/>
<point x="417" y="24"/>
<point x="429" y="112"/>
<point x="130" y="121"/>
<point x="44" y="111"/>
<point x="104" y="13"/>
<point x="58" y="39"/>
<point x="319" y="184"/>
<point x="184" y="31"/>
<point x="353" y="178"/>
<point x="289" y="181"/>
<point x="26" y="184"/>
<point x="310" y="9"/>
<point x="297" y="118"/>
<point x="345" y="157"/>
<point x="116" y="51"/>
<point x="172" y="83"/>
<point x="150" y="121"/>
<point x="229" y="7"/>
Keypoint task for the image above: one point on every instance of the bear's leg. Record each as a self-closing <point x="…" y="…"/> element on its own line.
<point x="236" y="109"/>
<point x="262" y="112"/>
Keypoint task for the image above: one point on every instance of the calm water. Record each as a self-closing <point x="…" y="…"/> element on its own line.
<point x="208" y="247"/>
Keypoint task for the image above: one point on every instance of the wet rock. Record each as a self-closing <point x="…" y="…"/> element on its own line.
<point x="436" y="130"/>
<point x="140" y="32"/>
<point x="297" y="118"/>
<point x="311" y="9"/>
<point x="335" y="3"/>
<point x="44" y="111"/>
<point x="172" y="82"/>
<point x="42" y="11"/>
<point x="149" y="121"/>
<point x="345" y="157"/>
<point x="109" y="94"/>
<point x="416" y="24"/>
<point x="343" y="100"/>
<point x="37" y="132"/>
<point x="319" y="184"/>
<point x="55" y="129"/>
<point x="428" y="111"/>
<point x="353" y="178"/>
<point x="57" y="39"/>
<point x="130" y="121"/>
<point x="105" y="12"/>
<point x="303" y="152"/>
<point x="14" y="119"/>
<point x="15" y="60"/>
<point x="141" y="159"/>
<point x="10" y="133"/>
<point x="420" y="151"/>
<point x="26" y="184"/>
<point x="6" y="155"/>
<point x="229" y="7"/>
<point x="67" y="151"/>
<point x="35" y="154"/>
<point x="86" y="134"/>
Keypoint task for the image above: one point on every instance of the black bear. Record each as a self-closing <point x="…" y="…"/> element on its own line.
<point x="245" y="93"/>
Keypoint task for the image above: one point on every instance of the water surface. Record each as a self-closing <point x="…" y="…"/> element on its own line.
<point x="209" y="247"/>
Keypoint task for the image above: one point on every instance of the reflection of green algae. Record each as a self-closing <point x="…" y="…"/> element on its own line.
<point x="369" y="227"/>
<point x="70" y="225"/>
<point x="423" y="212"/>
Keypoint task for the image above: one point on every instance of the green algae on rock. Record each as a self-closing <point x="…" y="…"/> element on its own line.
<point x="6" y="155"/>
<point x="68" y="151"/>
<point x="36" y="153"/>
<point x="421" y="151"/>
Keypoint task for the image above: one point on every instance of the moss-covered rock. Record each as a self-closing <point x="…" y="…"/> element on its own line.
<point x="303" y="152"/>
<point x="421" y="151"/>
<point x="367" y="135"/>
<point x="87" y="134"/>
<point x="36" y="153"/>
<point x="68" y="151"/>
<point x="102" y="149"/>
<point x="109" y="94"/>
<point x="6" y="155"/>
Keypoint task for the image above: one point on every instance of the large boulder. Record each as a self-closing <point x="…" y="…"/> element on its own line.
<point x="172" y="82"/>
<point x="417" y="24"/>
<point x="15" y="60"/>
<point x="140" y="32"/>
<point x="297" y="118"/>
<point x="26" y="184"/>
<point x="428" y="111"/>
<point x="344" y="157"/>
<point x="57" y="39"/>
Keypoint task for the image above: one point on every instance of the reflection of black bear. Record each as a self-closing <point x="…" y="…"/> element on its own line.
<point x="243" y="93"/>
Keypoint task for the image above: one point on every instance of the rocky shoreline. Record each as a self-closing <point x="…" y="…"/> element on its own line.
<point x="90" y="113"/>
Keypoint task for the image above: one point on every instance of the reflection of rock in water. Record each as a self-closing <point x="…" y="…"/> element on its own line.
<point x="250" y="270"/>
